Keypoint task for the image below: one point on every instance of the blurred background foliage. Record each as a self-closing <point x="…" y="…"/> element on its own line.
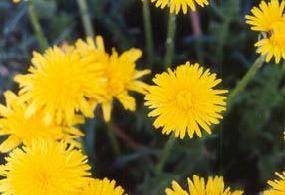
<point x="247" y="148"/>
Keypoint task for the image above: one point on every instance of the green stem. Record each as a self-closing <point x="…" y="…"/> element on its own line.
<point x="170" y="40"/>
<point x="240" y="87"/>
<point x="148" y="32"/>
<point x="89" y="142"/>
<point x="85" y="17"/>
<point x="220" y="146"/>
<point x="43" y="43"/>
<point x="165" y="153"/>
<point x="222" y="37"/>
<point x="113" y="139"/>
<point x="283" y="89"/>
<point x="196" y="26"/>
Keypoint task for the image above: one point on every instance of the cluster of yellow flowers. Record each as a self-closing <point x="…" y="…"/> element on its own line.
<point x="49" y="167"/>
<point x="85" y="75"/>
<point x="62" y="86"/>
<point x="65" y="84"/>
<point x="269" y="19"/>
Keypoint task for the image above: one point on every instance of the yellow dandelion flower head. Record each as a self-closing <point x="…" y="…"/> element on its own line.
<point x="92" y="50"/>
<point x="264" y="16"/>
<point x="274" y="45"/>
<point x="214" y="186"/>
<point x="44" y="167"/>
<point x="269" y="19"/>
<point x="102" y="187"/>
<point x="119" y="71"/>
<point x="185" y="100"/>
<point x="60" y="83"/>
<point x="177" y="5"/>
<point x="23" y="130"/>
<point x="277" y="185"/>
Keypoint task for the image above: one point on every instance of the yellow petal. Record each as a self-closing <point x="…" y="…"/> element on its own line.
<point x="10" y="143"/>
<point x="107" y="111"/>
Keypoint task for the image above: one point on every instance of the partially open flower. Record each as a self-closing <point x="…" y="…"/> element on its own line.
<point x="269" y="19"/>
<point x="119" y="71"/>
<point x="102" y="187"/>
<point x="177" y="5"/>
<point x="21" y="130"/>
<point x="198" y="186"/>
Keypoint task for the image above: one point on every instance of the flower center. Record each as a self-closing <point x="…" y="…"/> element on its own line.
<point x="60" y="86"/>
<point x="278" y="34"/>
<point x="43" y="180"/>
<point x="118" y="79"/>
<point x="185" y="100"/>
<point x="115" y="87"/>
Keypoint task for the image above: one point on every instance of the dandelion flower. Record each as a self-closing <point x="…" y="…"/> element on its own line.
<point x="60" y="83"/>
<point x="21" y="130"/>
<point x="102" y="187"/>
<point x="277" y="185"/>
<point x="269" y="19"/>
<point x="185" y="100"/>
<point x="198" y="186"/>
<point x="266" y="15"/>
<point x="119" y="71"/>
<point x="44" y="167"/>
<point x="177" y="5"/>
<point x="274" y="45"/>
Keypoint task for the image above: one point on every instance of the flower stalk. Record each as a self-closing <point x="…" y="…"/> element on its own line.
<point x="43" y="43"/>
<point x="85" y="17"/>
<point x="167" y="63"/>
<point x="148" y="32"/>
<point x="170" y="40"/>
<point x="113" y="139"/>
<point x="242" y="84"/>
<point x="240" y="87"/>
<point x="165" y="154"/>
<point x="234" y="93"/>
